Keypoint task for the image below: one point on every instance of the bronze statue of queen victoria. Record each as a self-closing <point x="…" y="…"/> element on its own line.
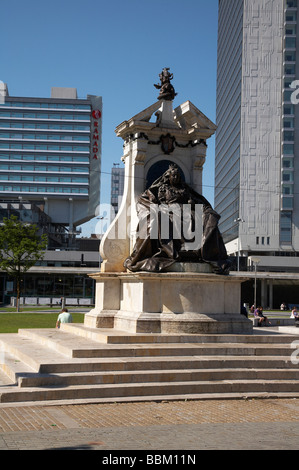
<point x="157" y="253"/>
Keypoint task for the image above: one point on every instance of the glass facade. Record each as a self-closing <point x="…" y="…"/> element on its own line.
<point x="50" y="172"/>
<point x="256" y="151"/>
<point x="288" y="122"/>
<point x="49" y="286"/>
<point x="228" y="117"/>
<point x="286" y="227"/>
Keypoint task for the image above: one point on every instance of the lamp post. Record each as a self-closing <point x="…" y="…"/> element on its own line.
<point x="239" y="220"/>
<point x="102" y="218"/>
<point x="255" y="261"/>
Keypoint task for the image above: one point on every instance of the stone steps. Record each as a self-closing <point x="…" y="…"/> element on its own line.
<point x="80" y="347"/>
<point x="80" y="363"/>
<point x="120" y="337"/>
<point x="149" y="390"/>
<point x="64" y="366"/>
<point x="174" y="375"/>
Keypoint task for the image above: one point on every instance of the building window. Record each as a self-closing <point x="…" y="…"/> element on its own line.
<point x="291" y="3"/>
<point x="287" y="82"/>
<point x="290" y="43"/>
<point x="287" y="162"/>
<point x="288" y="109"/>
<point x="287" y="189"/>
<point x="289" y="69"/>
<point x="288" y="123"/>
<point x="291" y="15"/>
<point x="286" y="227"/>
<point x="287" y="176"/>
<point x="290" y="56"/>
<point x="287" y="202"/>
<point x="288" y="136"/>
<point x="288" y="149"/>
<point x="287" y="95"/>
<point x="290" y="29"/>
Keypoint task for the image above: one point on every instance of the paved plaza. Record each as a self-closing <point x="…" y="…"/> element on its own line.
<point x="245" y="424"/>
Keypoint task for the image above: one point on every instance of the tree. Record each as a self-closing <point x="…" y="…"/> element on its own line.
<point x="20" y="248"/>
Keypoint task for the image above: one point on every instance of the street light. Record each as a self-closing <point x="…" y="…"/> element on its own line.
<point x="102" y="218"/>
<point x="239" y="220"/>
<point x="255" y="261"/>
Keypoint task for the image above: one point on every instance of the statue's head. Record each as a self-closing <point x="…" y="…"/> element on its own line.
<point x="174" y="174"/>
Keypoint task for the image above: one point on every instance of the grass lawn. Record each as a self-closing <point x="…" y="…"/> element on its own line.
<point x="46" y="317"/>
<point x="10" y="322"/>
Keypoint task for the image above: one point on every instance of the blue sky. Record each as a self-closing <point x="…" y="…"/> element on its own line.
<point x="115" y="49"/>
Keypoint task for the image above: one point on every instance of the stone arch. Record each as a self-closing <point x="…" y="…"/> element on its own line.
<point x="157" y="169"/>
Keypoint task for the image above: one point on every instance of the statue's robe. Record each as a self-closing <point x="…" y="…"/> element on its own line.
<point x="156" y="254"/>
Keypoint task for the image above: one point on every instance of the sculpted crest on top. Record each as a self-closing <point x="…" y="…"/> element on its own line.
<point x="166" y="89"/>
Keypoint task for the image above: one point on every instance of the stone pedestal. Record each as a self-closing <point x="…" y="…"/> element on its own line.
<point x="173" y="302"/>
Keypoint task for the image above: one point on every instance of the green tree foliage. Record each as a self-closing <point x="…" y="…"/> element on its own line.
<point x="20" y="248"/>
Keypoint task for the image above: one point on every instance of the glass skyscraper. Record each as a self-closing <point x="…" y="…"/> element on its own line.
<point x="257" y="152"/>
<point x="50" y="153"/>
<point x="50" y="173"/>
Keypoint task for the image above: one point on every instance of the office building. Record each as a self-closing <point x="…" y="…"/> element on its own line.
<point x="50" y="170"/>
<point x="117" y="188"/>
<point x="50" y="154"/>
<point x="257" y="151"/>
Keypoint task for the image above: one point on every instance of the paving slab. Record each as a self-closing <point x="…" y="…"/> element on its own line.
<point x="152" y="427"/>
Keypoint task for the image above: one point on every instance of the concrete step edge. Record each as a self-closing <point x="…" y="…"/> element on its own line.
<point x="37" y="360"/>
<point x="124" y="390"/>
<point x="71" y="346"/>
<point x="138" y="377"/>
<point x="14" y="368"/>
<point x="156" y="398"/>
<point x="111" y="336"/>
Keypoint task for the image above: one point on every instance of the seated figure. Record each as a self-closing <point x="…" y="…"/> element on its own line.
<point x="157" y="249"/>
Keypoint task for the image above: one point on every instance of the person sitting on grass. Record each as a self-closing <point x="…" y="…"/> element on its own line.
<point x="64" y="317"/>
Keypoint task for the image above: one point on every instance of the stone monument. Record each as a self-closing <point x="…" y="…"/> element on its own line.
<point x="165" y="267"/>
